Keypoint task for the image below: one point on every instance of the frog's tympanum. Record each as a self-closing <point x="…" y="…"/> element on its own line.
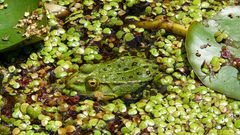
<point x="113" y="78"/>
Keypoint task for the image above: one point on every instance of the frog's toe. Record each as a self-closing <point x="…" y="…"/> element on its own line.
<point x="102" y="96"/>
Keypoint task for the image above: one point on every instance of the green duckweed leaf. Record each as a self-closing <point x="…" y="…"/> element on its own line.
<point x="11" y="37"/>
<point x="4" y="130"/>
<point x="201" y="47"/>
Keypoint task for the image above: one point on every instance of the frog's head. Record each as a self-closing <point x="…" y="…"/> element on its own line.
<point x="88" y="84"/>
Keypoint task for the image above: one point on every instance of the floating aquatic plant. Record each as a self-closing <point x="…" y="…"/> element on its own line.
<point x="10" y="36"/>
<point x="213" y="51"/>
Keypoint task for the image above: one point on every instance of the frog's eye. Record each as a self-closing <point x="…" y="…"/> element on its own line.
<point x="92" y="83"/>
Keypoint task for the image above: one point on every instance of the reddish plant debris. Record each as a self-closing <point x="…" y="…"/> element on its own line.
<point x="97" y="106"/>
<point x="225" y="53"/>
<point x="198" y="97"/>
<point x="8" y="106"/>
<point x="114" y="125"/>
<point x="146" y="131"/>
<point x="52" y="77"/>
<point x="24" y="82"/>
<point x="42" y="95"/>
<point x="73" y="100"/>
<point x="236" y="62"/>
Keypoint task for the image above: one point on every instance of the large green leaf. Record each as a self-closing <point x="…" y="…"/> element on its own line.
<point x="201" y="47"/>
<point x="11" y="37"/>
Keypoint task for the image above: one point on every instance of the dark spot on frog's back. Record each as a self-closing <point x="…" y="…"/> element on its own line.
<point x="123" y="78"/>
<point x="126" y="69"/>
<point x="139" y="73"/>
<point x="130" y="77"/>
<point x="145" y="66"/>
<point x="134" y="64"/>
<point x="155" y="67"/>
<point x="148" y="72"/>
<point x="104" y="69"/>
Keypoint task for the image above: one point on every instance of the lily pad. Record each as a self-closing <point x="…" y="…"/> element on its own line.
<point x="203" y="46"/>
<point x="11" y="37"/>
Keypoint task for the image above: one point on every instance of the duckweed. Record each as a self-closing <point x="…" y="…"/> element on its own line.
<point x="128" y="37"/>
<point x="34" y="111"/>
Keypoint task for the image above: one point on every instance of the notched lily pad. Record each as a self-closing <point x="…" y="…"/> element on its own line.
<point x="213" y="51"/>
<point x="11" y="37"/>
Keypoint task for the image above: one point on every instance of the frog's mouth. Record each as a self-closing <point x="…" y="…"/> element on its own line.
<point x="90" y="87"/>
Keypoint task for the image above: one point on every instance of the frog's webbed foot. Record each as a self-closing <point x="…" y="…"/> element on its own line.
<point x="148" y="93"/>
<point x="57" y="86"/>
<point x="103" y="97"/>
<point x="158" y="85"/>
<point x="157" y="80"/>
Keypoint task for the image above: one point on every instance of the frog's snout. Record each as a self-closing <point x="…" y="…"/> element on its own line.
<point x="69" y="81"/>
<point x="73" y="83"/>
<point x="68" y="84"/>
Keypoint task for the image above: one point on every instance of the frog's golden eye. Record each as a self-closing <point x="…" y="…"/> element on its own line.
<point x="92" y="83"/>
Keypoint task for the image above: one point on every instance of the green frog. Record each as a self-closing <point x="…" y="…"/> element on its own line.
<point x="113" y="78"/>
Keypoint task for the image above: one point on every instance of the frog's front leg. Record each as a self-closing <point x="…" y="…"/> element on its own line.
<point x="157" y="79"/>
<point x="104" y="92"/>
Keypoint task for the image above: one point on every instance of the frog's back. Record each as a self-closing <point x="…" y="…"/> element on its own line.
<point x="127" y="69"/>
